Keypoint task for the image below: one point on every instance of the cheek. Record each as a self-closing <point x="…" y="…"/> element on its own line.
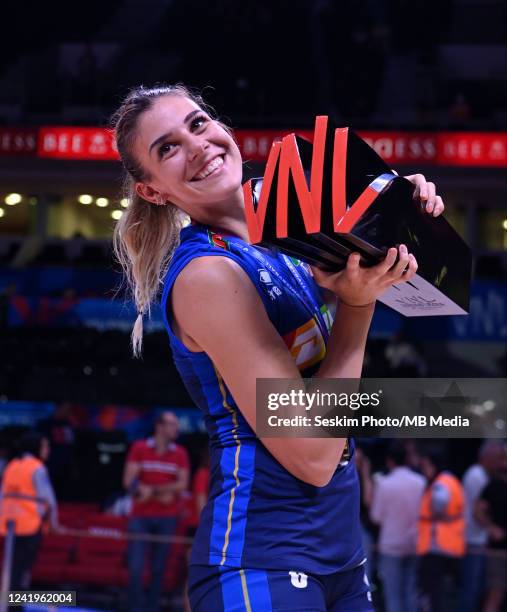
<point x="236" y="164"/>
<point x="170" y="176"/>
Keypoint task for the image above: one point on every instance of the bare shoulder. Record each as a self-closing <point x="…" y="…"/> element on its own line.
<point x="210" y="274"/>
<point x="213" y="295"/>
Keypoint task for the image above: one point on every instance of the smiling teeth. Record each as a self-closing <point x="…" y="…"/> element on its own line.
<point x="211" y="167"/>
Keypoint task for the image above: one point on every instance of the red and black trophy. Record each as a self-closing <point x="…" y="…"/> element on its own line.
<point x="319" y="202"/>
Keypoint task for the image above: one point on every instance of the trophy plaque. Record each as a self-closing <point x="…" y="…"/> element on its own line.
<point x="321" y="201"/>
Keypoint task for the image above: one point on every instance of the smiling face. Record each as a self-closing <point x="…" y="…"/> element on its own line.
<point x="189" y="158"/>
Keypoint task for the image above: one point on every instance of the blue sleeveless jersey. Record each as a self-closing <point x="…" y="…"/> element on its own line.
<point x="258" y="515"/>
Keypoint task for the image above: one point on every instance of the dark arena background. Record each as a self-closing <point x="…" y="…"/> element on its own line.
<point x="423" y="82"/>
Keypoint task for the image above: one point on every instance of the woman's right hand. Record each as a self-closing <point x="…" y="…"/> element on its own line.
<point x="358" y="286"/>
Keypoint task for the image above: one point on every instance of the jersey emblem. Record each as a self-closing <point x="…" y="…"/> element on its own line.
<point x="306" y="344"/>
<point x="218" y="241"/>
<point x="265" y="276"/>
<point x="298" y="580"/>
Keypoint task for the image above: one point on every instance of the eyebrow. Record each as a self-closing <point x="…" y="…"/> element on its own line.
<point x="169" y="134"/>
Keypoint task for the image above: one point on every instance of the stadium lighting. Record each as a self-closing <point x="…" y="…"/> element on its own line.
<point x="116" y="214"/>
<point x="504" y="224"/>
<point x="2" y="212"/>
<point x="102" y="202"/>
<point x="124" y="202"/>
<point x="13" y="198"/>
<point x="85" y="199"/>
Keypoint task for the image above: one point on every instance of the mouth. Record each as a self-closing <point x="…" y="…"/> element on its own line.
<point x="210" y="169"/>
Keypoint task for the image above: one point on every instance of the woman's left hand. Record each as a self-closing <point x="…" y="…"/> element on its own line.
<point x="425" y="192"/>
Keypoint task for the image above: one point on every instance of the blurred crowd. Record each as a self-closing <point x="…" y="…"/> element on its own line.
<point x="434" y="542"/>
<point x="156" y="480"/>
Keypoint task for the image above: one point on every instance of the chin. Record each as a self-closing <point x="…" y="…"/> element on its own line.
<point x="222" y="196"/>
<point x="227" y="189"/>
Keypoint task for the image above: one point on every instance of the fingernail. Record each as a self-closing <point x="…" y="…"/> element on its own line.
<point x="403" y="248"/>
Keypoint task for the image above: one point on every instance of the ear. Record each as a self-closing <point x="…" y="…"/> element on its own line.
<point x="146" y="192"/>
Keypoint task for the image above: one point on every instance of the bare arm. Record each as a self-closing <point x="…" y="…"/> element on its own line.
<point x="130" y="474"/>
<point x="44" y="490"/>
<point x="234" y="330"/>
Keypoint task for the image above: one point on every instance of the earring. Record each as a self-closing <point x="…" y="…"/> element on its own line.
<point x="161" y="201"/>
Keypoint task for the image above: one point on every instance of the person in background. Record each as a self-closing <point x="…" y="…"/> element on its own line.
<point x="395" y="507"/>
<point x="473" y="565"/>
<point x="156" y="473"/>
<point x="28" y="499"/>
<point x="441" y="531"/>
<point x="491" y="513"/>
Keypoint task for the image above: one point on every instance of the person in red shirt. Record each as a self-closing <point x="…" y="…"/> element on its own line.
<point x="156" y="473"/>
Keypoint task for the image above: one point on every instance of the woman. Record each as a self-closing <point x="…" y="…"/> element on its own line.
<point x="28" y="500"/>
<point x="281" y="528"/>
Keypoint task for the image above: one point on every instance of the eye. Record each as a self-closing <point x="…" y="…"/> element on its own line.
<point x="164" y="149"/>
<point x="198" y="122"/>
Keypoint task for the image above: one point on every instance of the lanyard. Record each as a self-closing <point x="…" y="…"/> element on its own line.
<point x="304" y="296"/>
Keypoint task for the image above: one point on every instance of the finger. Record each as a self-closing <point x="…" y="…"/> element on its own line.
<point x="417" y="193"/>
<point x="353" y="263"/>
<point x="387" y="263"/>
<point x="401" y="265"/>
<point x="439" y="206"/>
<point x="412" y="268"/>
<point x="320" y="276"/>
<point x="420" y="181"/>
<point x="430" y="202"/>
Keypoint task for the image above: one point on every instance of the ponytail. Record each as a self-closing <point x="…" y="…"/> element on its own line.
<point x="144" y="240"/>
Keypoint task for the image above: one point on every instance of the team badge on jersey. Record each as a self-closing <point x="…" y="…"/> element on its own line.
<point x="218" y="241"/>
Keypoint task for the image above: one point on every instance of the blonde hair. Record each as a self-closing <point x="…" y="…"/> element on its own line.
<point x="146" y="235"/>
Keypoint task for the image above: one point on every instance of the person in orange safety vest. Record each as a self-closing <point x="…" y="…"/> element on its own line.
<point x="27" y="499"/>
<point x="441" y="530"/>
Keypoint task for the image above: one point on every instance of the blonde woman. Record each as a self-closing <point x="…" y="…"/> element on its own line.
<point x="280" y="530"/>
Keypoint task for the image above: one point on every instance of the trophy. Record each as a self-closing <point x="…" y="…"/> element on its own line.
<point x="321" y="201"/>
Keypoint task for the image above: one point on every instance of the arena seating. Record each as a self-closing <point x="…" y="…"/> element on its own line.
<point x="93" y="559"/>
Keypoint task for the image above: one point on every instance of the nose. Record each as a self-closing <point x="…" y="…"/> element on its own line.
<point x="196" y="147"/>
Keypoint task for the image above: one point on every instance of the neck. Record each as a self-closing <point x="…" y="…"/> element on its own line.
<point x="161" y="443"/>
<point x="228" y="218"/>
